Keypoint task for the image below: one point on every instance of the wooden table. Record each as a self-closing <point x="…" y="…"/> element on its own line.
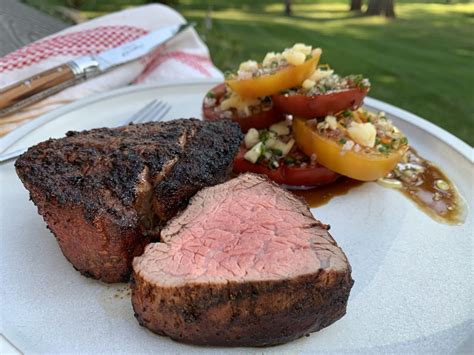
<point x="21" y="24"/>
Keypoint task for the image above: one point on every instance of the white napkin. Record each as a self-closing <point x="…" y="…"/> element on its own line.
<point x="182" y="58"/>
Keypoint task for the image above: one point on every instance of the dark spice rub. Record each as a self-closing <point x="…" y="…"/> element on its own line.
<point x="104" y="192"/>
<point x="245" y="264"/>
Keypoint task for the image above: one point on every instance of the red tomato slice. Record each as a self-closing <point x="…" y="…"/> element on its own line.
<point x="309" y="176"/>
<point x="319" y="105"/>
<point x="259" y="120"/>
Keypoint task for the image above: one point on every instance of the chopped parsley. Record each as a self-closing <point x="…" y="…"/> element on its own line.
<point x="347" y="113"/>
<point x="278" y="152"/>
<point x="263" y="136"/>
<point x="384" y="148"/>
<point x="359" y="81"/>
<point x="228" y="75"/>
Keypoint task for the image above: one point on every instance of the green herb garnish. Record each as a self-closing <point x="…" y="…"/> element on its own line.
<point x="263" y="136"/>
<point x="359" y="81"/>
<point x="384" y="148"/>
<point x="347" y="113"/>
<point x="278" y="152"/>
<point x="395" y="143"/>
<point x="228" y="75"/>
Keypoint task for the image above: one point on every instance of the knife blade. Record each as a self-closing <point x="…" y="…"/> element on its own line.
<point x="52" y="81"/>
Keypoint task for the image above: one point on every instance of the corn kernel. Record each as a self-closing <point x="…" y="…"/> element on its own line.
<point x="240" y="104"/>
<point x="294" y="58"/>
<point x="271" y="57"/>
<point x="363" y="133"/>
<point x="300" y="47"/>
<point x="249" y="65"/>
<point x="332" y="121"/>
<point x="320" y="74"/>
<point x="308" y="84"/>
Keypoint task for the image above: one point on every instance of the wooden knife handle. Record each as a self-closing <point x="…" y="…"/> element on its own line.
<point x="35" y="88"/>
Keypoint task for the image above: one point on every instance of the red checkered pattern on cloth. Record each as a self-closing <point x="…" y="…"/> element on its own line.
<point x="76" y="44"/>
<point x="197" y="62"/>
<point x="185" y="57"/>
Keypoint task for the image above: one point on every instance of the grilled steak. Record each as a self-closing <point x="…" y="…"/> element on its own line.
<point x="245" y="264"/>
<point x="105" y="192"/>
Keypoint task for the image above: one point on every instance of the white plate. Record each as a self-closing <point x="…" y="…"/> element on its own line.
<point x="413" y="276"/>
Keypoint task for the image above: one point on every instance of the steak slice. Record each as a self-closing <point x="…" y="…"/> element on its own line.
<point x="245" y="264"/>
<point x="104" y="193"/>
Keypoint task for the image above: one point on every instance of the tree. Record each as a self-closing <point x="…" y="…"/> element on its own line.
<point x="356" y="5"/>
<point x="381" y="7"/>
<point x="288" y="7"/>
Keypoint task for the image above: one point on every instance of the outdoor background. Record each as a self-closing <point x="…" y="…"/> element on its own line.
<point x="422" y="60"/>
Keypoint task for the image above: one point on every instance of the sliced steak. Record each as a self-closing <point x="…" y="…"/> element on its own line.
<point x="104" y="193"/>
<point x="245" y="264"/>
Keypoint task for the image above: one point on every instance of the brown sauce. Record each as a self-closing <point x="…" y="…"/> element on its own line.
<point x="428" y="187"/>
<point x="322" y="195"/>
<point x="417" y="178"/>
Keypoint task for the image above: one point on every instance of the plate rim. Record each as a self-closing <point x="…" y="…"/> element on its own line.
<point x="11" y="138"/>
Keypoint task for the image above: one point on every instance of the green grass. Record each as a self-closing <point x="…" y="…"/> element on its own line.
<point x="422" y="61"/>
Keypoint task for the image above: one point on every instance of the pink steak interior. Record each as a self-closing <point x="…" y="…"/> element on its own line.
<point x="243" y="230"/>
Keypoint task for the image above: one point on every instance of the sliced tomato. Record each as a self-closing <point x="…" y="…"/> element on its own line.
<point x="265" y="85"/>
<point x="296" y="176"/>
<point x="356" y="165"/>
<point x="319" y="105"/>
<point x="259" y="120"/>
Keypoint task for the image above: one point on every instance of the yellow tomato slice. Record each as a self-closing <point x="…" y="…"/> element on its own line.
<point x="359" y="166"/>
<point x="270" y="84"/>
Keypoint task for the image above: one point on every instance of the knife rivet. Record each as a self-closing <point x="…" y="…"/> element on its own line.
<point x="27" y="83"/>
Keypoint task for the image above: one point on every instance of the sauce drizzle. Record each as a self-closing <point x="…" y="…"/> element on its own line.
<point x="417" y="178"/>
<point x="428" y="187"/>
<point x="321" y="195"/>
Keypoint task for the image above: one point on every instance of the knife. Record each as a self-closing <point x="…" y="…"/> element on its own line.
<point x="50" y="82"/>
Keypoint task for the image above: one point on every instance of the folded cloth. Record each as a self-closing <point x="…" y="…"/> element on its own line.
<point x="184" y="57"/>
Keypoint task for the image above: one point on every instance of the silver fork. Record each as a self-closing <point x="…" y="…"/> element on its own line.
<point x="154" y="111"/>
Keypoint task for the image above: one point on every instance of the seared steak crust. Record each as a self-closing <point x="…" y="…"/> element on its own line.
<point x="201" y="164"/>
<point x="245" y="264"/>
<point x="95" y="189"/>
<point x="258" y="313"/>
